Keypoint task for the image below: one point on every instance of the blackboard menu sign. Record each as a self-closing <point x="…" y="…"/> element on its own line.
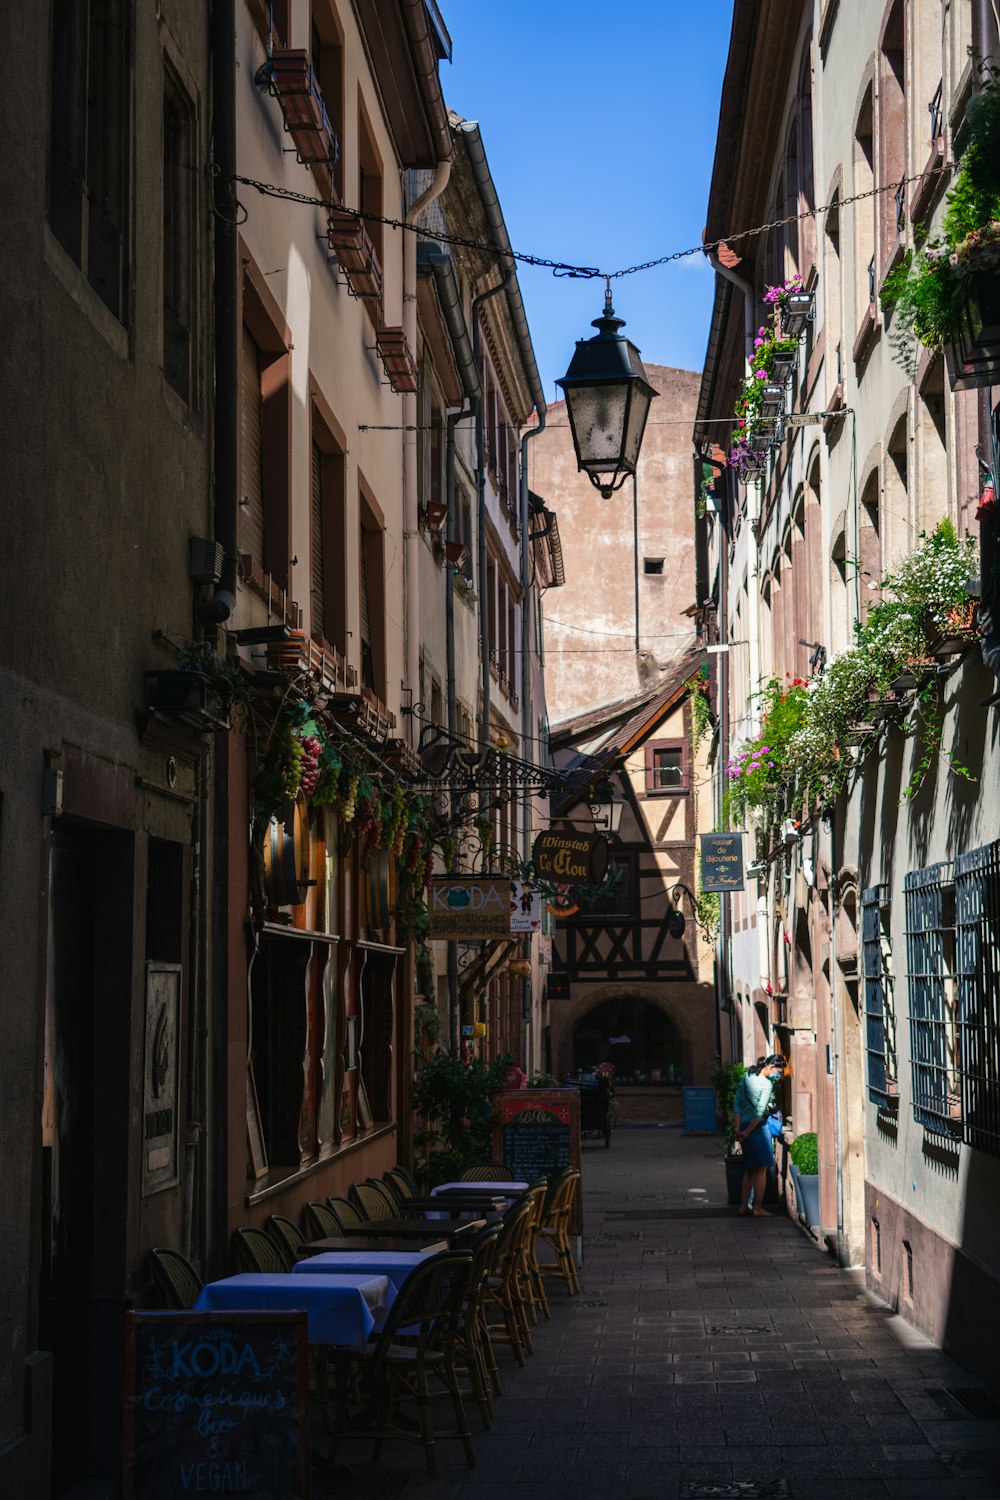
<point x="216" y="1403"/>
<point x="538" y="1134"/>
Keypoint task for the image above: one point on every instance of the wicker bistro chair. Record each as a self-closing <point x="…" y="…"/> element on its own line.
<point x="372" y="1200"/>
<point x="474" y="1344"/>
<point x="177" y="1281"/>
<point x="537" y="1301"/>
<point x="285" y="1234"/>
<point x="345" y="1213"/>
<point x="255" y="1250"/>
<point x="554" y="1231"/>
<point x="405" y="1180"/>
<point x="487" y="1172"/>
<point x="418" y="1343"/>
<point x="505" y="1291"/>
<point x="320" y="1222"/>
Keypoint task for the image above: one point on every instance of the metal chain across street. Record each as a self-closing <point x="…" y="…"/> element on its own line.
<point x="564" y="268"/>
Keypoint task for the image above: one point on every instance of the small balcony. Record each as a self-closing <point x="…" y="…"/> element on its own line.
<point x="349" y="240"/>
<point x="397" y="359"/>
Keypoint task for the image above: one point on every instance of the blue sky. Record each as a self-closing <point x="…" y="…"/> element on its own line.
<point x="599" y="124"/>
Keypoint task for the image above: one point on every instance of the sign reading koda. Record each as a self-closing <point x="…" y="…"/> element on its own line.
<point x="467" y="906"/>
<point x="570" y="858"/>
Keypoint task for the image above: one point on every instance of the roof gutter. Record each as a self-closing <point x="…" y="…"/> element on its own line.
<point x="425" y="68"/>
<point x="439" y="263"/>
<point x="491" y="205"/>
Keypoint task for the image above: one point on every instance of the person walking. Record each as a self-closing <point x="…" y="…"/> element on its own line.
<point x="752" y="1107"/>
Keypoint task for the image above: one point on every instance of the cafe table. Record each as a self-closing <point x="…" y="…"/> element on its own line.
<point x="394" y="1264"/>
<point x="505" y="1190"/>
<point x="445" y="1226"/>
<point x="431" y="1245"/>
<point x="341" y="1309"/>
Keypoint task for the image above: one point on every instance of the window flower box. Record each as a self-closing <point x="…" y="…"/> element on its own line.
<point x="349" y="239"/>
<point x="435" y="514"/>
<point x="397" y="359"/>
<point x="306" y="119"/>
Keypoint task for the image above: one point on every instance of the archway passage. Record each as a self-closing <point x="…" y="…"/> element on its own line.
<point x="637" y="1036"/>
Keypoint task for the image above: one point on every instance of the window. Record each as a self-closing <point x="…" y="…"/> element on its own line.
<point x="371" y="592"/>
<point x="833" y="288"/>
<point x="930" y="975"/>
<point x="327" y="57"/>
<point x="328" y="596"/>
<point x="977" y="905"/>
<point x="892" y="135"/>
<point x="90" y="126"/>
<point x="179" y="231"/>
<point x="880" y="1028"/>
<point x="265" y="431"/>
<point x="653" y="567"/>
<point x="864" y="210"/>
<point x="666" y="768"/>
<point x="620" y="899"/>
<point x="370" y="182"/>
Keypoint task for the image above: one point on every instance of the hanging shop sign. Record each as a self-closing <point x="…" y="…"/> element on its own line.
<point x="464" y="907"/>
<point x="525" y="907"/>
<point x="570" y="858"/>
<point x="722" y="862"/>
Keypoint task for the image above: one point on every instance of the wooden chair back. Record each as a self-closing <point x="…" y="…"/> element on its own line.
<point x="486" y="1172"/>
<point x="285" y="1234"/>
<point x="177" y="1281"/>
<point x="255" y="1250"/>
<point x="372" y="1201"/>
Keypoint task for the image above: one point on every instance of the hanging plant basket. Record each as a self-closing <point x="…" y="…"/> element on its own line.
<point x="973" y="356"/>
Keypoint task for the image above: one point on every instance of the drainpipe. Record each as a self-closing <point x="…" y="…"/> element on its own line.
<point x="451" y="422"/>
<point x="746" y="287"/>
<point x="411" y="518"/>
<point x="527" y="710"/>
<point x="484" y="615"/>
<point x="217" y="610"/>
<point x="835" y="1014"/>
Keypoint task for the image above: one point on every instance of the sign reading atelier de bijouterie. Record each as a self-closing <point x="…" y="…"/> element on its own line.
<point x="570" y="858"/>
<point x="470" y="907"/>
<point x="722" y="861"/>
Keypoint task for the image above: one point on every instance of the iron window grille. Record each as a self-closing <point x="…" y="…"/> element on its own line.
<point x="880" y="1038"/>
<point x="930" y="971"/>
<point x="977" y="927"/>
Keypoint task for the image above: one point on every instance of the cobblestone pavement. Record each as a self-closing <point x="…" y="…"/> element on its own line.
<point x="706" y="1355"/>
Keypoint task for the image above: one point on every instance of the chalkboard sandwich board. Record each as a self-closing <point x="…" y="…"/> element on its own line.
<point x="537" y="1134"/>
<point x="216" y="1403"/>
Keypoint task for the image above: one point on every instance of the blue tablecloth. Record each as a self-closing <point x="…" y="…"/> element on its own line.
<point x="340" y="1308"/>
<point x="395" y="1264"/>
<point x="501" y="1189"/>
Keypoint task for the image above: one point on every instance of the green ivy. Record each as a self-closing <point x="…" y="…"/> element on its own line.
<point x="454" y="1101"/>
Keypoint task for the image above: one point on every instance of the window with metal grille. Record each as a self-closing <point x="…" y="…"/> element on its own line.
<point x="977" y="925"/>
<point x="880" y="1031"/>
<point x="930" y="968"/>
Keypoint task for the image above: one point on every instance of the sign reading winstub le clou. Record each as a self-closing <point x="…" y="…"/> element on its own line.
<point x="722" y="862"/>
<point x="570" y="858"/>
<point x="468" y="907"/>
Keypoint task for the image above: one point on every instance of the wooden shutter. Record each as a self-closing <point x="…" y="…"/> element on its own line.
<point x="251" y="524"/>
<point x="316" y="545"/>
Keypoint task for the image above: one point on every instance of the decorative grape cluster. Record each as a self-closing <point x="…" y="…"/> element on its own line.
<point x="350" y="802"/>
<point x="311" y="748"/>
<point x="291" y="756"/>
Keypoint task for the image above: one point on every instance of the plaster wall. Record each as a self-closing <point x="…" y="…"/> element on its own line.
<point x="590" y="624"/>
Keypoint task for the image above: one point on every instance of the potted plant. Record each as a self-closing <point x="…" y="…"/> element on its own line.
<point x="725" y="1078"/>
<point x="454" y="1101"/>
<point x="803" y="1162"/>
<point x="947" y="293"/>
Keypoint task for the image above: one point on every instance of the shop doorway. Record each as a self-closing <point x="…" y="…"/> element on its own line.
<point x="85" y="1133"/>
<point x="639" y="1038"/>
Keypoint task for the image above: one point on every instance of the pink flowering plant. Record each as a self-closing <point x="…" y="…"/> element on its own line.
<point x="759" y="771"/>
<point x="767" y="343"/>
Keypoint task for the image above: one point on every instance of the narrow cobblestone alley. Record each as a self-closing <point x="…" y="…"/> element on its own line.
<point x="706" y="1355"/>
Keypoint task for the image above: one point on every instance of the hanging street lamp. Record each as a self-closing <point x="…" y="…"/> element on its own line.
<point x="608" y="398"/>
<point x="606" y="807"/>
